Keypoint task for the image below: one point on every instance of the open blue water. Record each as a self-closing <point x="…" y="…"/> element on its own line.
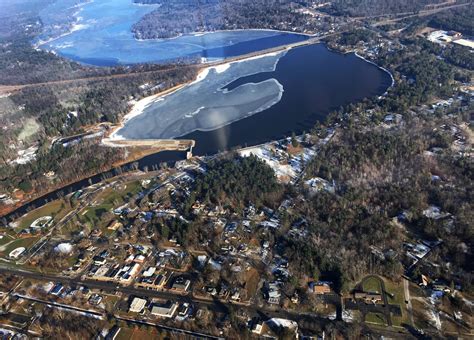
<point x="102" y="36"/>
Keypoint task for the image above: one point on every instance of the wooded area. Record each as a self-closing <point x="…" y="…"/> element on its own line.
<point x="62" y="109"/>
<point x="174" y="18"/>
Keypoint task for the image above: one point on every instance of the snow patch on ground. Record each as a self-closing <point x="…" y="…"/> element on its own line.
<point x="25" y="156"/>
<point x="281" y="170"/>
<point x="222" y="68"/>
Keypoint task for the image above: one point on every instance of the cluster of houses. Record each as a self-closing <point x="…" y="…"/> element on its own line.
<point x="142" y="267"/>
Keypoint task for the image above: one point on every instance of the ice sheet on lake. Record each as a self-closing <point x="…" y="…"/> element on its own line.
<point x="102" y="30"/>
<point x="204" y="105"/>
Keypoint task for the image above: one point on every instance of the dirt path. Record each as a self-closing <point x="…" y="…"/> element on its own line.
<point x="4" y="89"/>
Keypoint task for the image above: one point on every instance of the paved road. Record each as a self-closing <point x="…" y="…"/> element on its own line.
<point x="85" y="202"/>
<point x="214" y="305"/>
<point x="420" y="14"/>
<point x="307" y="321"/>
<point x="128" y="320"/>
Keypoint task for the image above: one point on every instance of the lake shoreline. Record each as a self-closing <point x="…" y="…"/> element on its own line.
<point x="380" y="67"/>
<point x="203" y="33"/>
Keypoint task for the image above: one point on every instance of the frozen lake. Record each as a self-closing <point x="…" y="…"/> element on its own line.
<point x="244" y="103"/>
<point x="102" y="36"/>
<point x="259" y="99"/>
<point x="205" y="104"/>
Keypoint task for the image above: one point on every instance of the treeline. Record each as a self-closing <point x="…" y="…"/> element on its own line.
<point x="96" y="101"/>
<point x="55" y="110"/>
<point x="459" y="19"/>
<point x="20" y="63"/>
<point x="352" y="37"/>
<point x="454" y="54"/>
<point x="378" y="175"/>
<point x="68" y="163"/>
<point x="422" y="76"/>
<point x="65" y="110"/>
<point x="174" y="18"/>
<point x="367" y="8"/>
<point x="66" y="325"/>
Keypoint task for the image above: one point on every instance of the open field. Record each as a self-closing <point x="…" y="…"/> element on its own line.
<point x="26" y="242"/>
<point x="371" y="284"/>
<point x="57" y="209"/>
<point x="118" y="195"/>
<point x="398" y="299"/>
<point x="96" y="215"/>
<point x="376" y="318"/>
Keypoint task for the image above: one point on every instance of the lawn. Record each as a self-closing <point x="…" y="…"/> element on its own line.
<point x="372" y="284"/>
<point x="94" y="217"/>
<point x="7" y="238"/>
<point x="21" y="242"/>
<point x="376" y="318"/>
<point x="109" y="199"/>
<point x="94" y="214"/>
<point x="110" y="196"/>
<point x="397" y="290"/>
<point x="57" y="209"/>
<point x="397" y="321"/>
<point x="398" y="299"/>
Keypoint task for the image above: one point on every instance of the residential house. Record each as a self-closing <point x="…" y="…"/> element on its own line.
<point x="368" y="297"/>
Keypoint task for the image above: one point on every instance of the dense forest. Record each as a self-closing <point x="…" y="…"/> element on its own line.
<point x="380" y="174"/>
<point x="454" y="54"/>
<point x="69" y="163"/>
<point x="173" y="18"/>
<point x="234" y="182"/>
<point x="460" y="20"/>
<point x="60" y="110"/>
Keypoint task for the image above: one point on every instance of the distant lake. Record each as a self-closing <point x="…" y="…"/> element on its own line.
<point x="102" y="36"/>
